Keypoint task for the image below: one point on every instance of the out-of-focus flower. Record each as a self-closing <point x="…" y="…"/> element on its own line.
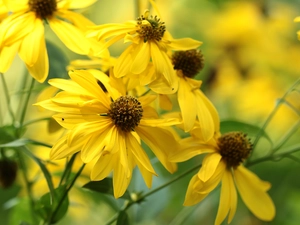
<point x="8" y="172"/>
<point x="108" y="125"/>
<point x="23" y="32"/>
<point x="149" y="43"/>
<point x="223" y="164"/>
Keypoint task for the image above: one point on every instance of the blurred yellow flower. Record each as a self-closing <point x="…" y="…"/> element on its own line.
<point x="108" y="125"/>
<point x="223" y="163"/>
<point x="23" y="32"/>
<point x="150" y="43"/>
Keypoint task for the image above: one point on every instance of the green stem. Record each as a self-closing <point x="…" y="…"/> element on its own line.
<point x="277" y="156"/>
<point x="137" y="8"/>
<point x="65" y="194"/>
<point x="67" y="170"/>
<point x="142" y="197"/>
<point x="270" y="117"/>
<point x="28" y="184"/>
<point x="35" y="121"/>
<point x="23" y="113"/>
<point x="6" y="93"/>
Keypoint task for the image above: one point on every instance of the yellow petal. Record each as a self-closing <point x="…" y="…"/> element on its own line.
<point x="62" y="150"/>
<point x="7" y="55"/>
<point x="209" y="165"/>
<point x="165" y="102"/>
<point x="159" y="122"/>
<point x="297" y="19"/>
<point x="206" y="122"/>
<point x="228" y="199"/>
<point x="187" y="102"/>
<point x="123" y="64"/>
<point x="103" y="166"/>
<point x="253" y="192"/>
<point x="146" y="99"/>
<point x="71" y="36"/>
<point x="189" y="147"/>
<point x="79" y="4"/>
<point x="142" y="58"/>
<point x="15" y="27"/>
<point x="120" y="180"/>
<point x="139" y="153"/>
<point x="89" y="83"/>
<point x="184" y="44"/>
<point x="192" y="197"/>
<point x="30" y="46"/>
<point x="161" y="142"/>
<point x="76" y="19"/>
<point x="39" y="70"/>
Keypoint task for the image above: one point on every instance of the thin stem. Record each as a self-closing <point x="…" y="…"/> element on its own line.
<point x="137" y="8"/>
<point x="35" y="121"/>
<point x="142" y="197"/>
<point x="65" y="194"/>
<point x="28" y="184"/>
<point x="6" y="93"/>
<point x="270" y="117"/>
<point x="68" y="169"/>
<point x="277" y="156"/>
<point x="23" y="114"/>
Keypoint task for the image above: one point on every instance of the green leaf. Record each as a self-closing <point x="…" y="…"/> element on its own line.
<point x="123" y="218"/>
<point x="58" y="61"/>
<point x="104" y="186"/>
<point x="21" y="213"/>
<point x="251" y="130"/>
<point x="23" y="141"/>
<point x="7" y="134"/>
<point x="45" y="209"/>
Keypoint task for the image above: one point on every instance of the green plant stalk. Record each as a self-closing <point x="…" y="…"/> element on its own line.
<point x="28" y="184"/>
<point x="142" y="197"/>
<point x="7" y="97"/>
<point x="52" y="215"/>
<point x="285" y="153"/>
<point x="272" y="114"/>
<point x="67" y="169"/>
<point x="24" y="110"/>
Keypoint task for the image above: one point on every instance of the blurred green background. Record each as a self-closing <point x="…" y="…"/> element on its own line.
<point x="252" y="57"/>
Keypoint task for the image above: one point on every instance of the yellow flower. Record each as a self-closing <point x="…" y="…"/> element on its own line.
<point x="223" y="163"/>
<point x="297" y="19"/>
<point x="106" y="124"/>
<point x="198" y="107"/>
<point x="149" y="43"/>
<point x="23" y="32"/>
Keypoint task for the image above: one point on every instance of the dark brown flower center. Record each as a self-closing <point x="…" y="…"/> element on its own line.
<point x="126" y="113"/>
<point x="190" y="62"/>
<point x="42" y="8"/>
<point x="150" y="28"/>
<point x="234" y="147"/>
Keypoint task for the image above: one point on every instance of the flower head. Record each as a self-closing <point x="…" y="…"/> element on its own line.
<point x="223" y="164"/>
<point x="150" y="44"/>
<point x="23" y="32"/>
<point x="108" y="125"/>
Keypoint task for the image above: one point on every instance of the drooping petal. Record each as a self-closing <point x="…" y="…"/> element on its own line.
<point x="209" y="166"/>
<point x="146" y="99"/>
<point x="103" y="166"/>
<point x="40" y="69"/>
<point x="228" y="199"/>
<point x="71" y="36"/>
<point x="184" y="44"/>
<point x="187" y="102"/>
<point x="189" y="147"/>
<point x="123" y="64"/>
<point x="7" y="55"/>
<point x="161" y="142"/>
<point x="253" y="192"/>
<point x="139" y="153"/>
<point x="120" y="180"/>
<point x="30" y="46"/>
<point x="61" y="149"/>
<point x="192" y="196"/>
<point x="142" y="58"/>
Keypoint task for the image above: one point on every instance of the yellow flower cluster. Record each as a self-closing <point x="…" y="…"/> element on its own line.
<point x="108" y="105"/>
